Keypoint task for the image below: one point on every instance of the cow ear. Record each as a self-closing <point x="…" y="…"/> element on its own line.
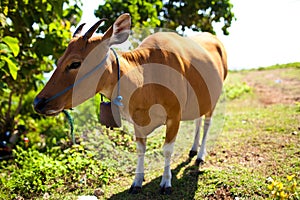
<point x="120" y="30"/>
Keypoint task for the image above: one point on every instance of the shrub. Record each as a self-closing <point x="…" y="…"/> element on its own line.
<point x="234" y="91"/>
<point x="34" y="173"/>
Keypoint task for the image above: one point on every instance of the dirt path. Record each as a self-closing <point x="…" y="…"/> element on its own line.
<point x="275" y="86"/>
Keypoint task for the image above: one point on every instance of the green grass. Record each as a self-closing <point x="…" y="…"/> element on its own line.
<point x="250" y="142"/>
<point x="256" y="143"/>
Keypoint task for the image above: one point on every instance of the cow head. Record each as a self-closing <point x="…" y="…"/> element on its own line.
<point x="69" y="84"/>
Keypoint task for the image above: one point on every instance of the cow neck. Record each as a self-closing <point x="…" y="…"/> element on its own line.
<point x="137" y="57"/>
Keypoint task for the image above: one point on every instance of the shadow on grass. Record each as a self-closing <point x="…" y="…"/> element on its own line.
<point x="184" y="185"/>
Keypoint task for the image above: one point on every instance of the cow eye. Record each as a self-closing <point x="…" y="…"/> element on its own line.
<point x="74" y="65"/>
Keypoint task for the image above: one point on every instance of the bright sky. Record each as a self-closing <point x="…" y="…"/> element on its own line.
<point x="266" y="32"/>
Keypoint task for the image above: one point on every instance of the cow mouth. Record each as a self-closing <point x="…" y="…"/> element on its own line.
<point x="53" y="112"/>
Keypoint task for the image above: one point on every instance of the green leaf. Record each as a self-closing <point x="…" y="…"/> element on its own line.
<point x="4" y="48"/>
<point x="13" y="69"/>
<point x="13" y="44"/>
<point x="2" y="63"/>
<point x="4" y="87"/>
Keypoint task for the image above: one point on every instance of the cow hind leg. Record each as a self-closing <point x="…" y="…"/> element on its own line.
<point x="168" y="148"/>
<point x="194" y="149"/>
<point x="202" y="153"/>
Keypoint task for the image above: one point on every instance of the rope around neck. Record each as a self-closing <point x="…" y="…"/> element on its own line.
<point x="116" y="101"/>
<point x="71" y="123"/>
<point x="77" y="81"/>
<point x="119" y="98"/>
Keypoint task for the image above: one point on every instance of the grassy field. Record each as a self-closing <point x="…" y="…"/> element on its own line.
<point x="253" y="150"/>
<point x="260" y="142"/>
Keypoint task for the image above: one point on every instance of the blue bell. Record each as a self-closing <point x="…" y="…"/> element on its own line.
<point x="117" y="100"/>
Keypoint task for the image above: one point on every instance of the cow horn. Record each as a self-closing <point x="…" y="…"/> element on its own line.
<point x="78" y="30"/>
<point x="90" y="32"/>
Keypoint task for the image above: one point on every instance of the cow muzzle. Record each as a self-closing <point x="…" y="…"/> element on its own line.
<point x="41" y="106"/>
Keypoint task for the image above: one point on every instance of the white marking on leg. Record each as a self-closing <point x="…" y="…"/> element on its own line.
<point x="139" y="172"/>
<point x="202" y="153"/>
<point x="197" y="134"/>
<point x="168" y="149"/>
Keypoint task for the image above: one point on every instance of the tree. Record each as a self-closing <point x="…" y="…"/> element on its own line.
<point x="173" y="14"/>
<point x="143" y="13"/>
<point x="33" y="34"/>
<point x="198" y="15"/>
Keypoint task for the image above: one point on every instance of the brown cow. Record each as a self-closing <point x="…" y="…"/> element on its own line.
<point x="167" y="79"/>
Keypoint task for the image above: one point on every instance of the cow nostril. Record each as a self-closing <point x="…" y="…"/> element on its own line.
<point x="39" y="104"/>
<point x="36" y="101"/>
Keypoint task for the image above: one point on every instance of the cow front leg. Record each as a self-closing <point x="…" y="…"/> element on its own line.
<point x="202" y="153"/>
<point x="139" y="173"/>
<point x="168" y="148"/>
<point x="165" y="184"/>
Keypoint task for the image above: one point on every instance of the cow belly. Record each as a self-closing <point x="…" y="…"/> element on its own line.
<point x="191" y="109"/>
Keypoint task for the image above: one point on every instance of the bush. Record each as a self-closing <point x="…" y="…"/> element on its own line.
<point x="281" y="66"/>
<point x="234" y="91"/>
<point x="34" y="173"/>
